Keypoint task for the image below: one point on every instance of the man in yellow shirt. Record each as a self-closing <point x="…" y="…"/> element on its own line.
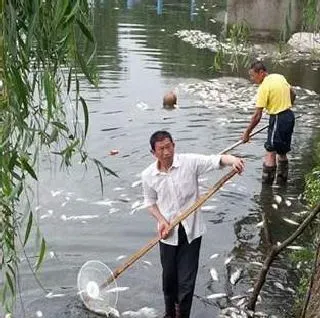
<point x="276" y="96"/>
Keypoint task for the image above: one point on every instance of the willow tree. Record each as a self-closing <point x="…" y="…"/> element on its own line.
<point x="45" y="46"/>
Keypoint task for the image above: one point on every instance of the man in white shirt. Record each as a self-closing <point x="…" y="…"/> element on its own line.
<point x="170" y="186"/>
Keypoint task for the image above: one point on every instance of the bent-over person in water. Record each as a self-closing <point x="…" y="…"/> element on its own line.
<point x="276" y="96"/>
<point x="170" y="186"/>
<point x="169" y="100"/>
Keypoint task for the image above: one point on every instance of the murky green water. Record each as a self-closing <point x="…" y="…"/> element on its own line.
<point x="139" y="59"/>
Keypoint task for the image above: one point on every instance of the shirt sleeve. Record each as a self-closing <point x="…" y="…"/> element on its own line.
<point x="262" y="96"/>
<point x="205" y="164"/>
<point x="149" y="194"/>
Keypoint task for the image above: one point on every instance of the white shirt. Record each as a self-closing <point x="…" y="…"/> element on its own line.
<point x="176" y="190"/>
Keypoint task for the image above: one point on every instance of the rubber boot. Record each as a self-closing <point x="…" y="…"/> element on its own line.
<point x="282" y="172"/>
<point x="178" y="314"/>
<point x="268" y="174"/>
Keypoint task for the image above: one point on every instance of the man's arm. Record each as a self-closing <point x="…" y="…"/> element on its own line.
<point x="255" y="119"/>
<point x="163" y="229"/>
<point x="235" y="162"/>
<point x="292" y="95"/>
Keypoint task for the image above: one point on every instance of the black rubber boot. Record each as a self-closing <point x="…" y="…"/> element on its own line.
<point x="282" y="172"/>
<point x="268" y="174"/>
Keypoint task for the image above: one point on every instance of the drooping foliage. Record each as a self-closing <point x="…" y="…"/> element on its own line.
<point x="45" y="47"/>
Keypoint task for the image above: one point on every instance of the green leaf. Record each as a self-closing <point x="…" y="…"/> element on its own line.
<point x="29" y="169"/>
<point x="60" y="125"/>
<point x="42" y="253"/>
<point x="10" y="282"/>
<point x="28" y="230"/>
<point x="86" y="116"/>
<point x="85" y="31"/>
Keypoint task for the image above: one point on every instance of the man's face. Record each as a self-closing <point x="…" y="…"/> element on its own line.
<point x="256" y="77"/>
<point x="164" y="151"/>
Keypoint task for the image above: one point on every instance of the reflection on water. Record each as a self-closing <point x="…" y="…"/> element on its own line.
<point x="139" y="59"/>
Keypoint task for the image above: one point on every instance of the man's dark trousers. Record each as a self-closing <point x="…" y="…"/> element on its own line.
<point x="180" y="266"/>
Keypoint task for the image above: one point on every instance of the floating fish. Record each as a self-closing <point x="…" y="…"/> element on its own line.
<point x="117" y="289"/>
<point x="136" y="204"/>
<point x="228" y="260"/>
<point x="121" y="257"/>
<point x="279" y="285"/>
<point x="214" y="256"/>
<point x="147" y="262"/>
<point x="277" y="198"/>
<point x="143" y="312"/>
<point x="214" y="274"/>
<point x="300" y="213"/>
<point x="113" y="210"/>
<point x="274" y="206"/>
<point x="295" y="247"/>
<point x="39" y="313"/>
<point x="287" y="202"/>
<point x="208" y="208"/>
<point x="215" y="296"/>
<point x="104" y="202"/>
<point x="136" y="183"/>
<point x="52" y="295"/>
<point x="118" y="189"/>
<point x="260" y="224"/>
<point x="289" y="289"/>
<point x="235" y="276"/>
<point x="290" y="221"/>
<point x="55" y="193"/>
<point x="256" y="263"/>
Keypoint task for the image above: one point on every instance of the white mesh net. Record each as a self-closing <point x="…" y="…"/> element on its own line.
<point x="97" y="296"/>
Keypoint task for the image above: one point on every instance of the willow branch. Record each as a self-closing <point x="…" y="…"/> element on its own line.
<point x="274" y="251"/>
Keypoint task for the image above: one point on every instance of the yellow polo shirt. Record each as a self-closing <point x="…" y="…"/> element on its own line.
<point x="274" y="94"/>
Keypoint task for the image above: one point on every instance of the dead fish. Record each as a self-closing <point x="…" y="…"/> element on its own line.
<point x="289" y="289"/>
<point x="143" y="312"/>
<point x="228" y="260"/>
<point x="136" y="183"/>
<point x="290" y="221"/>
<point x="147" y="262"/>
<point x="260" y="224"/>
<point x="277" y="198"/>
<point x="214" y="256"/>
<point x="241" y="302"/>
<point x="235" y="276"/>
<point x="214" y="274"/>
<point x="216" y="296"/>
<point x="117" y="289"/>
<point x="113" y="210"/>
<point x="256" y="263"/>
<point x="118" y="189"/>
<point x="208" y="208"/>
<point x="279" y="285"/>
<point x="112" y="312"/>
<point x="55" y="193"/>
<point x="52" y="295"/>
<point x="300" y="213"/>
<point x="295" y="247"/>
<point x="287" y="202"/>
<point x="121" y="257"/>
<point x="274" y="206"/>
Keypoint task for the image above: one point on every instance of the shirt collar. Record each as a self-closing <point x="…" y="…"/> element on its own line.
<point x="175" y="164"/>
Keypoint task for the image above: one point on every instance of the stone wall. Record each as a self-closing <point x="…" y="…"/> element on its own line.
<point x="266" y="18"/>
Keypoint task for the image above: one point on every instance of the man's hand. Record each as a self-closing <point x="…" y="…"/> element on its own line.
<point x="246" y="136"/>
<point x="163" y="229"/>
<point x="238" y="164"/>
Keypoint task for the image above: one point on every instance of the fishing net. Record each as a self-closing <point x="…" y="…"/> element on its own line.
<point x="97" y="287"/>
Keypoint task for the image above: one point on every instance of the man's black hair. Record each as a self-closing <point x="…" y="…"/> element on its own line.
<point x="258" y="66"/>
<point x="159" y="136"/>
